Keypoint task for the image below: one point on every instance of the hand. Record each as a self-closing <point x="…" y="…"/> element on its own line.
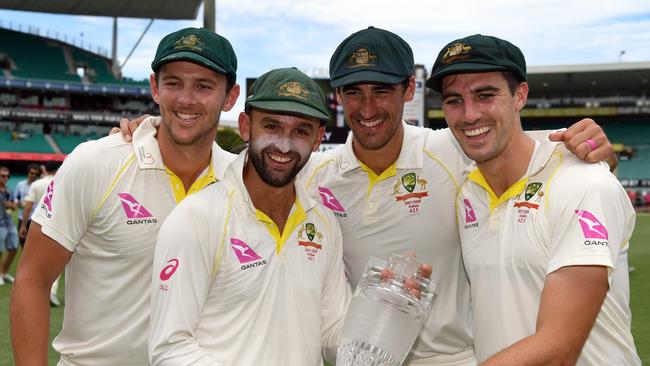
<point x="127" y="128"/>
<point x="575" y="139"/>
<point x="412" y="283"/>
<point x="22" y="232"/>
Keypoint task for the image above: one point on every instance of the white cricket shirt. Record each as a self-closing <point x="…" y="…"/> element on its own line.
<point x="410" y="206"/>
<point x="230" y="289"/>
<point x="564" y="212"/>
<point x="106" y="205"/>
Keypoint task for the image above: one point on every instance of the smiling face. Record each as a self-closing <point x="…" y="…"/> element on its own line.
<point x="482" y="112"/>
<point x="191" y="98"/>
<point x="279" y="145"/>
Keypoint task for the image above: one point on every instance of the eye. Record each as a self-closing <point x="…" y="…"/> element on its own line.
<point x="485" y="96"/>
<point x="204" y="86"/>
<point x="351" y="92"/>
<point x="453" y="101"/>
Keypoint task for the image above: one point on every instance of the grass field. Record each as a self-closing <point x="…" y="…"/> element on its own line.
<point x="639" y="287"/>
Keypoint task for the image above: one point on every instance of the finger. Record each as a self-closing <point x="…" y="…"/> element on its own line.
<point x="556" y="136"/>
<point x="113" y="131"/>
<point x="412" y="284"/>
<point x="415" y="293"/>
<point x="124" y="129"/>
<point x="425" y="270"/>
<point x="386" y="274"/>
<point x="601" y="153"/>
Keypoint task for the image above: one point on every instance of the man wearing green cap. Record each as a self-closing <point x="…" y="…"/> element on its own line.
<point x="259" y="279"/>
<point x="392" y="186"/>
<point x="544" y="235"/>
<point x="101" y="214"/>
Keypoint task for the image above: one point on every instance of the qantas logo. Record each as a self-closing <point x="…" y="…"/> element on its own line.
<point x="135" y="212"/>
<point x="591" y="227"/>
<point x="245" y="254"/>
<point x="470" y="216"/>
<point x="331" y="202"/>
<point x="47" y="200"/>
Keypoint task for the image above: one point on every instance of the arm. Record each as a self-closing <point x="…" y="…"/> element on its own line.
<point x="23" y="224"/>
<point x="181" y="280"/>
<point x="570" y="302"/>
<point x="336" y="296"/>
<point x="42" y="261"/>
<point x="575" y="138"/>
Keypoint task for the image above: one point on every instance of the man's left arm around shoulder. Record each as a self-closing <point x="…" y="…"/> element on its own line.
<point x="570" y="302"/>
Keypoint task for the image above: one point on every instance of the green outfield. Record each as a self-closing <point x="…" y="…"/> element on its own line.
<point x="639" y="287"/>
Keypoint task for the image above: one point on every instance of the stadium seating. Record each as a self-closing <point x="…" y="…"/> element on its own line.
<point x="35" y="57"/>
<point x="67" y="143"/>
<point x="102" y="73"/>
<point x="33" y="142"/>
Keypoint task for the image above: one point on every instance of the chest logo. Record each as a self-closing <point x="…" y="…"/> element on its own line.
<point x="592" y="228"/>
<point x="415" y="188"/>
<point x="245" y="254"/>
<point x="311" y="239"/>
<point x="331" y="202"/>
<point x="531" y="189"/>
<point x="135" y="212"/>
<point x="470" y="215"/>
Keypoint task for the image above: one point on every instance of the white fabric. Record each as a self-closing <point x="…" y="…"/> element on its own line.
<point x="509" y="252"/>
<point x="108" y="276"/>
<point x="38" y="188"/>
<point x="259" y="308"/>
<point x="378" y="219"/>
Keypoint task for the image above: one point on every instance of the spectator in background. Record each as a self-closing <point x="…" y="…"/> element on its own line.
<point x="35" y="193"/>
<point x="8" y="235"/>
<point x="22" y="188"/>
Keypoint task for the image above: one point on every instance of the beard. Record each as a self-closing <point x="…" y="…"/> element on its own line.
<point x="274" y="178"/>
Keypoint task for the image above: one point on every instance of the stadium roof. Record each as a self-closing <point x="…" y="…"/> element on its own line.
<point x="607" y="78"/>
<point x="158" y="9"/>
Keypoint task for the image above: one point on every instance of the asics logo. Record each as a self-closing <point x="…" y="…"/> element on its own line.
<point x="132" y="208"/>
<point x="591" y="227"/>
<point x="329" y="200"/>
<point x="243" y="252"/>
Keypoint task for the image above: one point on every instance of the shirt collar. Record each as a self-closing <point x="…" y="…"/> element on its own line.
<point x="147" y="150"/>
<point x="410" y="156"/>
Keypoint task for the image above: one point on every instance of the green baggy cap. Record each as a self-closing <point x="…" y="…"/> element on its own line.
<point x="474" y="54"/>
<point x="371" y="55"/>
<point x="200" y="46"/>
<point x="288" y="90"/>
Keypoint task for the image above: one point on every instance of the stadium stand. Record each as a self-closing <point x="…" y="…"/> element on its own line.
<point x="32" y="57"/>
<point x="24" y="142"/>
<point x="97" y="70"/>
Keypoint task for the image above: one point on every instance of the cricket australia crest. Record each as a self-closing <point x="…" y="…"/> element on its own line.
<point x="311" y="239"/>
<point x="415" y="189"/>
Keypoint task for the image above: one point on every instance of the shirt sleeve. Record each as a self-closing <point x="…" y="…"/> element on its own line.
<point x="336" y="296"/>
<point x="590" y="216"/>
<point x="182" y="276"/>
<point x="66" y="206"/>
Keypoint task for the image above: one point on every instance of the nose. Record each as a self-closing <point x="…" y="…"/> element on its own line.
<point x="472" y="111"/>
<point x="368" y="107"/>
<point x="186" y="96"/>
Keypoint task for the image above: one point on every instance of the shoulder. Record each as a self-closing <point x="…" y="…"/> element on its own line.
<point x="104" y="151"/>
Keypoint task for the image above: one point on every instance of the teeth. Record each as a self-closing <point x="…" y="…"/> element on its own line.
<point x="279" y="159"/>
<point x="187" y="115"/>
<point x="477" y="131"/>
<point x="370" y="123"/>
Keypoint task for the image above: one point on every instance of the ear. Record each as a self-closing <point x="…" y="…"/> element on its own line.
<point x="154" y="88"/>
<point x="522" y="96"/>
<point x="319" y="137"/>
<point x="409" y="93"/>
<point x="244" y="126"/>
<point x="339" y="96"/>
<point x="231" y="98"/>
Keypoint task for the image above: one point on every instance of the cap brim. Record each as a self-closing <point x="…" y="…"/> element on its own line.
<point x="366" y="76"/>
<point x="291" y="108"/>
<point x="435" y="80"/>
<point x="191" y="57"/>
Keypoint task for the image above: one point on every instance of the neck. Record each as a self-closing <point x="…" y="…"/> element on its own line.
<point x="380" y="159"/>
<point x="187" y="162"/>
<point x="510" y="165"/>
<point x="275" y="202"/>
